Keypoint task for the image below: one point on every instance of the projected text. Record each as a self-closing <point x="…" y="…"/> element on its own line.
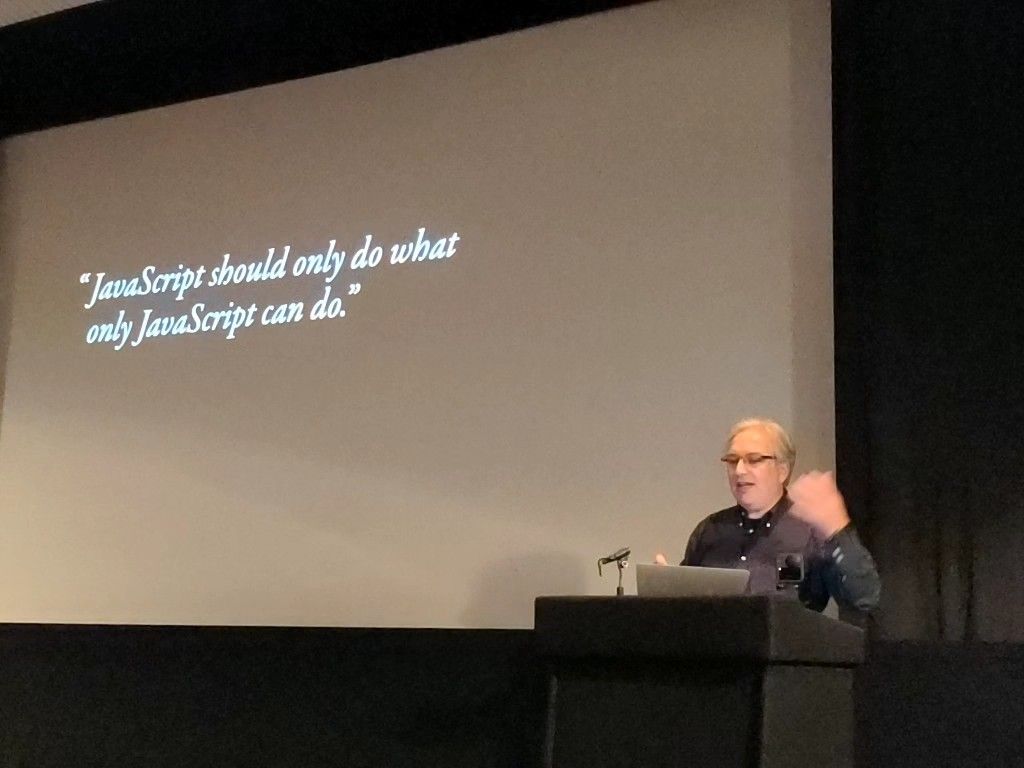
<point x="202" y="310"/>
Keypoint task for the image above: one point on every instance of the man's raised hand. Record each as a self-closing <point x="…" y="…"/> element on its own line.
<point x="817" y="501"/>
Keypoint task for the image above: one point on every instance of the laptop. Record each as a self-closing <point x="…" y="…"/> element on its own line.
<point x="689" y="581"/>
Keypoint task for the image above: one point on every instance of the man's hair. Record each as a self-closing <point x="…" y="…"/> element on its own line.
<point x="785" y="451"/>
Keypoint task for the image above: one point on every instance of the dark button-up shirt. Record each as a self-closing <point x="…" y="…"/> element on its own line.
<point x="840" y="566"/>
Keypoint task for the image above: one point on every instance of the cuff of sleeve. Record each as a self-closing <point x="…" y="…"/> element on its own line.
<point x="836" y="545"/>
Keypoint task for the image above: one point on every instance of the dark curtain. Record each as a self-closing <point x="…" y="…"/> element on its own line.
<point x="929" y="301"/>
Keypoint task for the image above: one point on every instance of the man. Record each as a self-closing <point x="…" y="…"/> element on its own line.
<point x="769" y="523"/>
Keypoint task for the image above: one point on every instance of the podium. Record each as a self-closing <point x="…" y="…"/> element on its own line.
<point x="757" y="682"/>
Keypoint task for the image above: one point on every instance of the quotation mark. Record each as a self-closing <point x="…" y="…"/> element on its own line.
<point x="85" y="277"/>
<point x="354" y="288"/>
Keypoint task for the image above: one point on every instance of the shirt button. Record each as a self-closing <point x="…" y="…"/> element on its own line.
<point x="743" y="558"/>
<point x="750" y="530"/>
<point x="768" y="525"/>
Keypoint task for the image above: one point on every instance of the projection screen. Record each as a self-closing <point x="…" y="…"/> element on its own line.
<point x="410" y="344"/>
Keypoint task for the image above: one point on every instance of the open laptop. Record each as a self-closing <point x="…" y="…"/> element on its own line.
<point x="689" y="581"/>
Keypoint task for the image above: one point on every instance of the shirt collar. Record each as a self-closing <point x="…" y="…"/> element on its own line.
<point x="781" y="507"/>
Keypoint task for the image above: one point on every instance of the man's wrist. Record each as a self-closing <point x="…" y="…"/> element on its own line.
<point x="830" y="531"/>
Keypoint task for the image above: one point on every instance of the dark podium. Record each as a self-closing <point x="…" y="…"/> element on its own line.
<point x="756" y="682"/>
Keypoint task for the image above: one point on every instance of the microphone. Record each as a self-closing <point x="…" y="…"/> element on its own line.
<point x="619" y="554"/>
<point x="619" y="558"/>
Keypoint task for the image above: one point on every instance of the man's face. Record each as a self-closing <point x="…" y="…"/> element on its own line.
<point x="756" y="485"/>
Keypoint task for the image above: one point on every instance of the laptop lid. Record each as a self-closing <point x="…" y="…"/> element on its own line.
<point x="689" y="581"/>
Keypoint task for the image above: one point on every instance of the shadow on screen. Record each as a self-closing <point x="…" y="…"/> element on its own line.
<point x="505" y="589"/>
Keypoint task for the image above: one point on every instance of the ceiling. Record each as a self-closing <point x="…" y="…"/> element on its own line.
<point x="13" y="11"/>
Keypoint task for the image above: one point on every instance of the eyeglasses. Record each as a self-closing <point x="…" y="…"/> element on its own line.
<point x="750" y="459"/>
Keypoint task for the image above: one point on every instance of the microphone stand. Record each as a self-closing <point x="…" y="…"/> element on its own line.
<point x="621" y="560"/>
<point x="621" y="565"/>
